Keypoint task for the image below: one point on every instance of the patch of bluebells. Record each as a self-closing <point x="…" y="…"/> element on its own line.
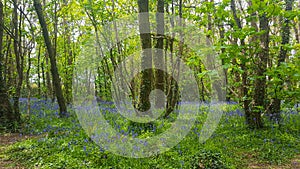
<point x="231" y="102"/>
<point x="236" y="112"/>
<point x="44" y="118"/>
<point x="38" y="106"/>
<point x="65" y="132"/>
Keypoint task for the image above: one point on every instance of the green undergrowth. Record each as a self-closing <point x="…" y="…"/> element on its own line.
<point x="64" y="144"/>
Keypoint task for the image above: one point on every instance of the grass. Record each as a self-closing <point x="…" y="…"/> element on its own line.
<point x="66" y="145"/>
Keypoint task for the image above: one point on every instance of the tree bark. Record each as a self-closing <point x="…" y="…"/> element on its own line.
<point x="159" y="53"/>
<point x="7" y="116"/>
<point x="19" y="59"/>
<point x="146" y="81"/>
<point x="285" y="35"/>
<point x="250" y="120"/>
<point x="260" y="81"/>
<point x="54" y="71"/>
<point x="50" y="90"/>
<point x="38" y="72"/>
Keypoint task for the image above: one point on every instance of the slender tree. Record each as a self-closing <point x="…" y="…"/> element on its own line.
<point x="146" y="81"/>
<point x="54" y="70"/>
<point x="18" y="55"/>
<point x="159" y="46"/>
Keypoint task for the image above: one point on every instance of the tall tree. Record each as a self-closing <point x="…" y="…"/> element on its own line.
<point x="245" y="87"/>
<point x="18" y="55"/>
<point x="7" y="116"/>
<point x="54" y="70"/>
<point x="146" y="81"/>
<point x="261" y="67"/>
<point x="171" y="85"/>
<point x="159" y="46"/>
<point x="285" y="38"/>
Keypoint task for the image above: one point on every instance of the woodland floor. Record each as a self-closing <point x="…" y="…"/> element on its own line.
<point x="8" y="139"/>
<point x="295" y="164"/>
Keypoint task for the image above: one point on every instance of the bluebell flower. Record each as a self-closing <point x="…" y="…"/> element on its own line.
<point x="182" y="163"/>
<point x="136" y="147"/>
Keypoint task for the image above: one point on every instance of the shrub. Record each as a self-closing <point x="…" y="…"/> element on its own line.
<point x="209" y="159"/>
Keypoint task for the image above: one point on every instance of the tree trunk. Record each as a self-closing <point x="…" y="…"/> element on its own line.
<point x="54" y="71"/>
<point x="260" y="81"/>
<point x="159" y="53"/>
<point x="246" y="102"/>
<point x="7" y="117"/>
<point x="19" y="58"/>
<point x="146" y="81"/>
<point x="28" y="85"/>
<point x="50" y="90"/>
<point x="38" y="72"/>
<point x="7" y="73"/>
<point x="171" y="84"/>
<point x="285" y="34"/>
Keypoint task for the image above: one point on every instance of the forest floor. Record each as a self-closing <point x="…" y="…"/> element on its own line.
<point x="6" y="140"/>
<point x="294" y="164"/>
<point x="48" y="141"/>
<point x="11" y="138"/>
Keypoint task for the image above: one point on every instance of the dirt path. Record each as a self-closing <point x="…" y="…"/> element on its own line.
<point x="295" y="164"/>
<point x="5" y="140"/>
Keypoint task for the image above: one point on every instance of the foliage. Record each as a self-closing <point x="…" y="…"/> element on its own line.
<point x="78" y="31"/>
<point x="62" y="143"/>
<point x="209" y="159"/>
